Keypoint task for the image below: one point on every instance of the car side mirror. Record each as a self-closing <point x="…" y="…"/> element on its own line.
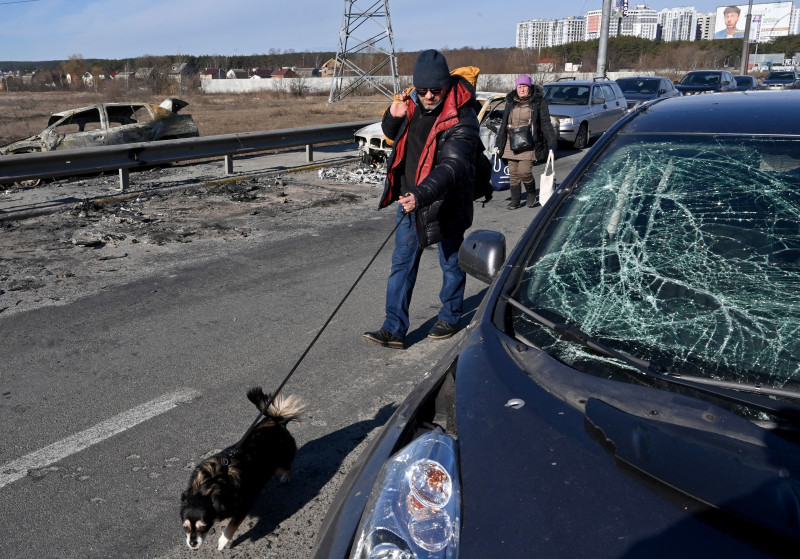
<point x="662" y="91"/>
<point x="599" y="101"/>
<point x="726" y="83"/>
<point x="482" y="254"/>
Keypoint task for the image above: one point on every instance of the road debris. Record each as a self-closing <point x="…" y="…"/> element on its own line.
<point x="360" y="175"/>
<point x="65" y="254"/>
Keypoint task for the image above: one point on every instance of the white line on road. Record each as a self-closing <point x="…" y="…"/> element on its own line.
<point x="16" y="469"/>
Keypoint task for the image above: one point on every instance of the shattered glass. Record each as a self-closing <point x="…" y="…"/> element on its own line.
<point x="680" y="250"/>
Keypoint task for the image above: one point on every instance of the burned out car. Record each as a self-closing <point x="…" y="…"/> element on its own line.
<point x="629" y="384"/>
<point x="106" y="124"/>
<point x="374" y="147"/>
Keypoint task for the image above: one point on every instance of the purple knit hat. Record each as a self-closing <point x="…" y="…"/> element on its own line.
<point x="523" y="80"/>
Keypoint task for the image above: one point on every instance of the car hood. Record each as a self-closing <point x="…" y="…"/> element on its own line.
<point x="373" y="130"/>
<point x="568" y="110"/>
<point x="539" y="479"/>
<point x="32" y="143"/>
<point x="695" y="88"/>
<point x="640" y="96"/>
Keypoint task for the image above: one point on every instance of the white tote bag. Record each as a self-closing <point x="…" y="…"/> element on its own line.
<point x="547" y="180"/>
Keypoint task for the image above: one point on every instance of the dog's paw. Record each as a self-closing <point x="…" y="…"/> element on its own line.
<point x="223" y="541"/>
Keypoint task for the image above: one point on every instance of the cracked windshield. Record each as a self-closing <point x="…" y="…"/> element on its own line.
<point x="683" y="251"/>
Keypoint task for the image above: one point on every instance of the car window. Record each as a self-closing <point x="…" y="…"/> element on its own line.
<point x="683" y="251"/>
<point x="567" y="94"/>
<point x="142" y="114"/>
<point x="493" y="115"/>
<point x="83" y="121"/>
<point x="638" y="85"/>
<point x="780" y="76"/>
<point x="701" y="78"/>
<point x="597" y="93"/>
<point x="608" y="92"/>
<point x="121" y="115"/>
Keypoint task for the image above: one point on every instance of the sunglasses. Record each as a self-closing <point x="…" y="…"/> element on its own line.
<point x="423" y="91"/>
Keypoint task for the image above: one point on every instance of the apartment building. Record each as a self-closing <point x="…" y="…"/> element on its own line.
<point x="543" y="33"/>
<point x="678" y="24"/>
<point x="705" y="25"/>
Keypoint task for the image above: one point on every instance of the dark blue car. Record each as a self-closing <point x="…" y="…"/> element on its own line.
<point x="630" y="384"/>
<point x="782" y="79"/>
<point x="706" y="81"/>
<point x="747" y="83"/>
<point x="640" y="89"/>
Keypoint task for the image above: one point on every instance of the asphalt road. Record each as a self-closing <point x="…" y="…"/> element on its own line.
<point x="108" y="402"/>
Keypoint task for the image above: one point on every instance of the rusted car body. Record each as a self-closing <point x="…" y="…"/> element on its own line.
<point x="106" y="124"/>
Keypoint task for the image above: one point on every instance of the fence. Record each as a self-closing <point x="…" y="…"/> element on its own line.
<point x="29" y="166"/>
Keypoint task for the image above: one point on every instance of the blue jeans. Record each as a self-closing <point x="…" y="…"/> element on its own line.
<point x="405" y="264"/>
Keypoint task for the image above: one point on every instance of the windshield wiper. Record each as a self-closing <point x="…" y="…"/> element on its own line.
<point x="734" y="391"/>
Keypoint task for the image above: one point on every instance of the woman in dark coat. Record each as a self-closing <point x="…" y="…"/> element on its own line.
<point x="525" y="106"/>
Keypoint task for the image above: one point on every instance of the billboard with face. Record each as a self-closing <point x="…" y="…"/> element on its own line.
<point x="769" y="20"/>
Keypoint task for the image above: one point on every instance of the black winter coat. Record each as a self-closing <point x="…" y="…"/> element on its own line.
<point x="544" y="136"/>
<point x="446" y="173"/>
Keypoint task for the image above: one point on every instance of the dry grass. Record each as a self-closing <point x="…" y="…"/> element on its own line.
<point x="23" y="114"/>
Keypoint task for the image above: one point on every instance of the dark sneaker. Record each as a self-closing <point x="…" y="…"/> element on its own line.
<point x="442" y="330"/>
<point x="533" y="201"/>
<point x="512" y="206"/>
<point x="385" y="338"/>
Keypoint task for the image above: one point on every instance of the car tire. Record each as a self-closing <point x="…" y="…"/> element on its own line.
<point x="582" y="137"/>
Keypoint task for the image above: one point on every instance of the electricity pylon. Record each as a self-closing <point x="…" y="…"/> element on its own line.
<point x="368" y="58"/>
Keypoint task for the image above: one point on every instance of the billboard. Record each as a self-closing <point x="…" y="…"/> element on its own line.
<point x="619" y="8"/>
<point x="769" y="20"/>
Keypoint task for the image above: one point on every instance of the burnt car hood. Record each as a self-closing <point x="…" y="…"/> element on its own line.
<point x="540" y="478"/>
<point x="31" y="143"/>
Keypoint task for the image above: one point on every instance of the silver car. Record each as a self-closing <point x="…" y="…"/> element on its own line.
<point x="584" y="108"/>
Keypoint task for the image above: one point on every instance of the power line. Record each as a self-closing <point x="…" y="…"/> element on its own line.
<point x="18" y="2"/>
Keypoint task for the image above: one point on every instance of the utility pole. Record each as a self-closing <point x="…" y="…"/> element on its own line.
<point x="746" y="41"/>
<point x="602" y="49"/>
<point x="374" y="50"/>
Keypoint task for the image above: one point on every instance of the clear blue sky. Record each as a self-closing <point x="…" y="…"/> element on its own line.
<point x="56" y="29"/>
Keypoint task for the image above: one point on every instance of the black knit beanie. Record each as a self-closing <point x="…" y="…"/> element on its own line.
<point x="431" y="70"/>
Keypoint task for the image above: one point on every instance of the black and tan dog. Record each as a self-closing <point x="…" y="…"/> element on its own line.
<point x="225" y="485"/>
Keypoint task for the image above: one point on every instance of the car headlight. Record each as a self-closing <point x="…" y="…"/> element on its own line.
<point x="414" y="511"/>
<point x="565" y="120"/>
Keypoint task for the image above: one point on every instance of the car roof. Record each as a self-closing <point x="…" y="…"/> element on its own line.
<point x="579" y="82"/>
<point x="96" y="106"/>
<point x="773" y="113"/>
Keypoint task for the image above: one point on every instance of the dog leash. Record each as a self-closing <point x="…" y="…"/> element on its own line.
<point x="235" y="448"/>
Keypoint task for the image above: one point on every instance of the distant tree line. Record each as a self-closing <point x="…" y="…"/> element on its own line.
<point x="624" y="53"/>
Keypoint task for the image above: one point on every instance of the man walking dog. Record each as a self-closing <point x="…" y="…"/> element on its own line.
<point x="431" y="173"/>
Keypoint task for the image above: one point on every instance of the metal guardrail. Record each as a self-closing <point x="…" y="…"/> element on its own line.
<point x="60" y="163"/>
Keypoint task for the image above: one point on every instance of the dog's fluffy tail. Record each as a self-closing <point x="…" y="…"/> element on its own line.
<point x="283" y="409"/>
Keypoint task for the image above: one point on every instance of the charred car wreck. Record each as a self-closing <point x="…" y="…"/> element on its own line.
<point x="106" y="124"/>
